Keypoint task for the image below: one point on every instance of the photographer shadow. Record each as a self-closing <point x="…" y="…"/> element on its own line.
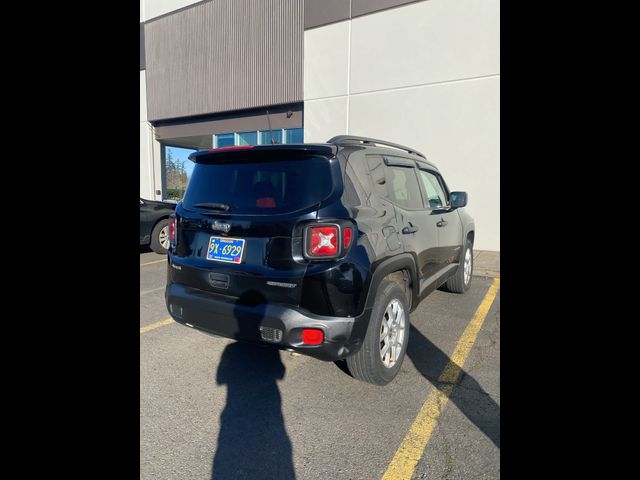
<point x="253" y="441"/>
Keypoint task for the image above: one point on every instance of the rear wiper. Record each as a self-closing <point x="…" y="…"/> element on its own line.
<point x="213" y="206"/>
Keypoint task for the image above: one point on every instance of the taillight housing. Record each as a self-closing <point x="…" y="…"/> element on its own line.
<point x="172" y="230"/>
<point x="325" y="241"/>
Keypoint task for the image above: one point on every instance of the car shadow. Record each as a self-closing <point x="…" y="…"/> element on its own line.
<point x="470" y="398"/>
<point x="253" y="442"/>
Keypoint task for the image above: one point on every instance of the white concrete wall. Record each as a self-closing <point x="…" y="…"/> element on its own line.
<point x="154" y="8"/>
<point x="143" y="96"/>
<point x="425" y="75"/>
<point x="146" y="172"/>
<point x="150" y="174"/>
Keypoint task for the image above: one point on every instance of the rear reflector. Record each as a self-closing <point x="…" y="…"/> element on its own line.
<point x="312" y="336"/>
<point x="323" y="241"/>
<point x="346" y="236"/>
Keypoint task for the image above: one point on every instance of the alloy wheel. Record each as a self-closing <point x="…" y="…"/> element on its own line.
<point x="392" y="333"/>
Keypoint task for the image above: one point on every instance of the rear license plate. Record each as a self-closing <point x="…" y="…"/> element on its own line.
<point x="223" y="249"/>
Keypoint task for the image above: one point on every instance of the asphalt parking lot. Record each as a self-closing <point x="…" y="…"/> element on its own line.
<point x="214" y="408"/>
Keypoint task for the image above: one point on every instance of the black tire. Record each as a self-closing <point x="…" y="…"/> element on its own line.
<point x="156" y="246"/>
<point x="367" y="364"/>
<point x="456" y="284"/>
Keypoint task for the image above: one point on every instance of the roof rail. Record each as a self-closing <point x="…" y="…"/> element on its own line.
<point x="350" y="139"/>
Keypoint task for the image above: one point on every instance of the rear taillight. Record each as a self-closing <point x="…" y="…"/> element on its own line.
<point x="172" y="230"/>
<point x="327" y="241"/>
<point x="323" y="241"/>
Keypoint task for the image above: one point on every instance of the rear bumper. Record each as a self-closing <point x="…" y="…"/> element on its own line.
<point x="223" y="316"/>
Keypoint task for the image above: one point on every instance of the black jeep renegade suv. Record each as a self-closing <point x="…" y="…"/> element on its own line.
<point x="319" y="248"/>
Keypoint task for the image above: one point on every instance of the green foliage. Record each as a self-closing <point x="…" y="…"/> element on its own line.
<point x="175" y="193"/>
<point x="176" y="177"/>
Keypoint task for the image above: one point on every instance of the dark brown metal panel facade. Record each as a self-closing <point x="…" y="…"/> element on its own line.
<point x="324" y="12"/>
<point x="224" y="55"/>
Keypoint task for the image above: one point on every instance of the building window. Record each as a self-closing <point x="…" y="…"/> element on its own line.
<point x="223" y="140"/>
<point x="294" y="135"/>
<point x="265" y="136"/>
<point x="262" y="137"/>
<point x="247" y="138"/>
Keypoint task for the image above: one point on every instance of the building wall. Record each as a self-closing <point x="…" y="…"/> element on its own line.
<point x="424" y="74"/>
<point x="146" y="162"/>
<point x="146" y="145"/>
<point x="224" y="55"/>
<point x="150" y="9"/>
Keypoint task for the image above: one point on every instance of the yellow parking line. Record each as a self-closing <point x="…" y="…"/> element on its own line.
<point x="151" y="263"/>
<point x="156" y="325"/>
<point x="404" y="462"/>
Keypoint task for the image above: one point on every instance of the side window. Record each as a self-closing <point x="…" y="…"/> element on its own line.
<point x="402" y="187"/>
<point x="435" y="193"/>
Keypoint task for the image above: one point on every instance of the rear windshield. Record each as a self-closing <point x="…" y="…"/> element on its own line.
<point x="259" y="186"/>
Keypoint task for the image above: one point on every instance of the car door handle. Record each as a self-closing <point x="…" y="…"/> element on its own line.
<point x="409" y="229"/>
<point x="442" y="223"/>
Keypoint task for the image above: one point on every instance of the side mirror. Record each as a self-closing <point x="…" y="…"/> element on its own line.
<point x="458" y="199"/>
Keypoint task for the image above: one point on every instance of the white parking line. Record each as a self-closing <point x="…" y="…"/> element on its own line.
<point x="151" y="291"/>
<point x="151" y="263"/>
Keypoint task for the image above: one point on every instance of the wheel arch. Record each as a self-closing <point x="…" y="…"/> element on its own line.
<point x="400" y="269"/>
<point x="154" y="240"/>
<point x="164" y="217"/>
<point x="471" y="235"/>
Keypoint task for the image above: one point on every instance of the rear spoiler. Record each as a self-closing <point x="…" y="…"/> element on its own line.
<point x="206" y="156"/>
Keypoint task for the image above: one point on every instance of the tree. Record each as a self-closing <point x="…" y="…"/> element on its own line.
<point x="176" y="176"/>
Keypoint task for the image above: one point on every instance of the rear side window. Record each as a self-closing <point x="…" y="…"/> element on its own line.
<point x="435" y="193"/>
<point x="402" y="187"/>
<point x="260" y="186"/>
